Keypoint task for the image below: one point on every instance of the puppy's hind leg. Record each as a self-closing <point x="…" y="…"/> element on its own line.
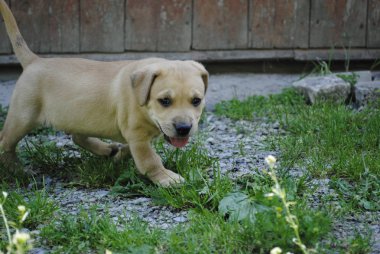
<point x="17" y="125"/>
<point x="98" y="147"/>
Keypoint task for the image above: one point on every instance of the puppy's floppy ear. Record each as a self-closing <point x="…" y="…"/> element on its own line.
<point x="142" y="81"/>
<point x="204" y="72"/>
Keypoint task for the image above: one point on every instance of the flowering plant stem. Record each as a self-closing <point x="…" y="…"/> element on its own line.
<point x="19" y="242"/>
<point x="279" y="192"/>
<point x="5" y="222"/>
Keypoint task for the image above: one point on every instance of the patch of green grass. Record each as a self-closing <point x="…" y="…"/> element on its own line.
<point x="87" y="170"/>
<point x="334" y="140"/>
<point x="211" y="233"/>
<point x="328" y="139"/>
<point x="206" y="232"/>
<point x="39" y="204"/>
<point x="39" y="207"/>
<point x="88" y="232"/>
<point x="360" y="244"/>
<point x="196" y="166"/>
<point x="363" y="195"/>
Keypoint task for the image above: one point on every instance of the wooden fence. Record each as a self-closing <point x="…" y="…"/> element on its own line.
<point x="208" y="28"/>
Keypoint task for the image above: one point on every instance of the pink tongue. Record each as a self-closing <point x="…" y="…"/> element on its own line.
<point x="179" y="142"/>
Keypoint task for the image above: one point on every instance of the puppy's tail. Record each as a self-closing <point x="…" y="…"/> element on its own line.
<point x="22" y="51"/>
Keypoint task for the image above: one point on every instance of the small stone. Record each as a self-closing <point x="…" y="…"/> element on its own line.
<point x="210" y="140"/>
<point x="180" y="219"/>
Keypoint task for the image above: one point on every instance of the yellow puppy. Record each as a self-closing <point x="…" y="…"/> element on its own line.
<point x="128" y="101"/>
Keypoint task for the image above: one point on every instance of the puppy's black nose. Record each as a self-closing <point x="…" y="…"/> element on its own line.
<point x="182" y="129"/>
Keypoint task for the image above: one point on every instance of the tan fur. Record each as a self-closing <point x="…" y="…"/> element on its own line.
<point x="113" y="100"/>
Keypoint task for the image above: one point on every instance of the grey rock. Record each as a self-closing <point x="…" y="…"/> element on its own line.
<point x="323" y="87"/>
<point x="366" y="92"/>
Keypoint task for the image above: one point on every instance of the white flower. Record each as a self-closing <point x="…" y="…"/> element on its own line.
<point x="108" y="252"/>
<point x="20" y="238"/>
<point x="276" y="250"/>
<point x="21" y="208"/>
<point x="269" y="195"/>
<point x="5" y="194"/>
<point x="270" y="160"/>
<point x="24" y="216"/>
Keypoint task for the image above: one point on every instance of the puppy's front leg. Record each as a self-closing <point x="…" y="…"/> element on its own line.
<point x="150" y="164"/>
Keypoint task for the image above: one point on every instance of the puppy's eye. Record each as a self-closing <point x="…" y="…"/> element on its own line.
<point x="196" y="101"/>
<point x="165" y="102"/>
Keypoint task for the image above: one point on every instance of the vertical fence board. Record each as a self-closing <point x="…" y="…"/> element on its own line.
<point x="220" y="24"/>
<point x="338" y="23"/>
<point x="373" y="32"/>
<point x="56" y="26"/>
<point x="102" y="26"/>
<point x="64" y="26"/>
<point x="32" y="18"/>
<point x="279" y="24"/>
<point x="158" y="25"/>
<point x="5" y="44"/>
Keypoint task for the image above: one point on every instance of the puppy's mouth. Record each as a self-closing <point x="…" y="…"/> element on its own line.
<point x="177" y="142"/>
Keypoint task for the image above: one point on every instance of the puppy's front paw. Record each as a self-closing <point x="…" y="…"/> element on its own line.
<point x="166" y="178"/>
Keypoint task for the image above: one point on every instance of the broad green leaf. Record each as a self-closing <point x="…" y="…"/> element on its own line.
<point x="239" y="206"/>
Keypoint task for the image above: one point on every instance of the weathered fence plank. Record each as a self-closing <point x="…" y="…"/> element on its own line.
<point x="373" y="32"/>
<point x="158" y="25"/>
<point x="47" y="26"/>
<point x="279" y="24"/>
<point x="33" y="20"/>
<point x="220" y="24"/>
<point x="64" y="26"/>
<point x="109" y="26"/>
<point x="102" y="26"/>
<point x="5" y="45"/>
<point x="338" y="23"/>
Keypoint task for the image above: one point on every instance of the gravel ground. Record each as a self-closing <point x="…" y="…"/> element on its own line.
<point x="240" y="147"/>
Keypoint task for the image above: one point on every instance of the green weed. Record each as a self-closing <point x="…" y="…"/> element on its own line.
<point x="206" y="232"/>
<point x="327" y="138"/>
<point x="322" y="67"/>
<point x="78" y="168"/>
<point x="333" y="140"/>
<point x="360" y="244"/>
<point x="196" y="166"/>
<point x="375" y="65"/>
<point x="88" y="232"/>
<point x="17" y="242"/>
<point x="41" y="207"/>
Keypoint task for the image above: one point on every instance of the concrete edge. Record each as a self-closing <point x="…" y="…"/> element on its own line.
<point x="224" y="55"/>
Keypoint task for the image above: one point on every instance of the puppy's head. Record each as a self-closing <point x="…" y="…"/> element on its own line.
<point x="174" y="94"/>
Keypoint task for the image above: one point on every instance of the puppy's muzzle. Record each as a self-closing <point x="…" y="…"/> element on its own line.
<point x="182" y="129"/>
